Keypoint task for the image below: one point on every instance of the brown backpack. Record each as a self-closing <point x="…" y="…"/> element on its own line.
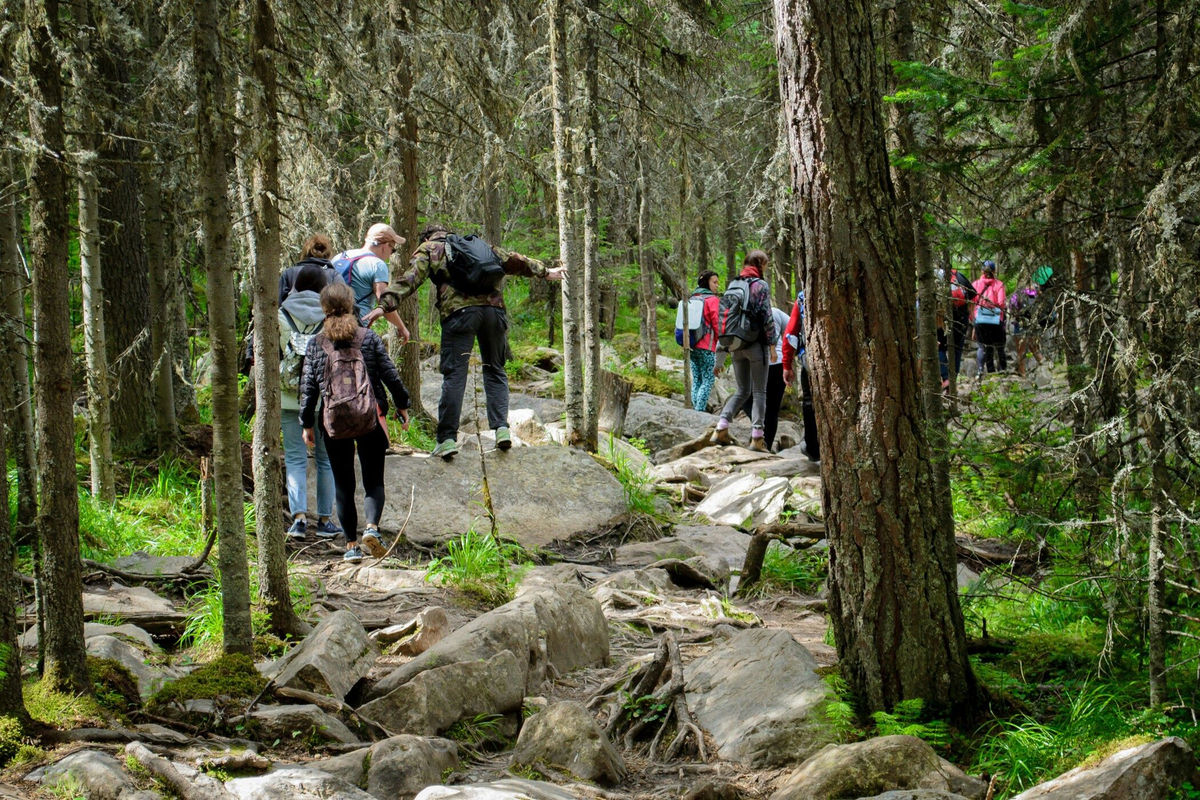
<point x="349" y="401"/>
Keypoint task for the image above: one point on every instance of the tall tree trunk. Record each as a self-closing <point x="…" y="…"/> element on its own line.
<point x="647" y="319"/>
<point x="127" y="289"/>
<point x="58" y="512"/>
<point x="212" y="145"/>
<point x="268" y="476"/>
<point x="402" y="136"/>
<point x="99" y="410"/>
<point x="731" y="233"/>
<point x="591" y="228"/>
<point x="572" y="285"/>
<point x="893" y="585"/>
<point x="685" y="181"/>
<point x="14" y="359"/>
<point x="703" y="257"/>
<point x="160" y="277"/>
<point x="12" y="702"/>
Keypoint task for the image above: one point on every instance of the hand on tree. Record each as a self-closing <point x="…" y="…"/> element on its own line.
<point x="556" y="274"/>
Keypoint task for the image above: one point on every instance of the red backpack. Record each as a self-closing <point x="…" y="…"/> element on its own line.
<point x="349" y="401"/>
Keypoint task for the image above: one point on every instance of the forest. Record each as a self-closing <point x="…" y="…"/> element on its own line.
<point x="161" y="164"/>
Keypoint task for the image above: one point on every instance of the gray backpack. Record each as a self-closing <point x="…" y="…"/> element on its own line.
<point x="291" y="363"/>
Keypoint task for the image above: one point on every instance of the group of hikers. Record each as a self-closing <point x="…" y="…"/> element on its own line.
<point x="740" y="324"/>
<point x="336" y="374"/>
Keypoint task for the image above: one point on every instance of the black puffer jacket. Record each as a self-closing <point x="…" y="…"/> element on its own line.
<point x="380" y="367"/>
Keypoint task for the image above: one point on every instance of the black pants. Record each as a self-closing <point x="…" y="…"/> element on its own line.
<point x="489" y="325"/>
<point x="775" y="386"/>
<point x="991" y="342"/>
<point x="371" y="448"/>
<point x="811" y="444"/>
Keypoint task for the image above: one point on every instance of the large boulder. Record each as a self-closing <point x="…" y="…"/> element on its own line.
<point x="883" y="764"/>
<point x="330" y="660"/>
<point x="565" y="735"/>
<point x="663" y="423"/>
<point x="97" y="774"/>
<point x="133" y="658"/>
<point x="304" y="721"/>
<point x="397" y="767"/>
<point x="523" y="482"/>
<point x="295" y="783"/>
<point x="745" y="500"/>
<point x="687" y="541"/>
<point x="504" y="789"/>
<point x="547" y="627"/>
<point x="1147" y="772"/>
<point x="759" y="696"/>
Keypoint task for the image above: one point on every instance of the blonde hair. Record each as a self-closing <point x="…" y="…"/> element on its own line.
<point x="337" y="301"/>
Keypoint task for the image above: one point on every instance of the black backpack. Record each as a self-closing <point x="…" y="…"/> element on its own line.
<point x="736" y="327"/>
<point x="472" y="264"/>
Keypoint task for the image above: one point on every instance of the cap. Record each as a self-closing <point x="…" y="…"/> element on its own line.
<point x="1042" y="274"/>
<point x="989" y="265"/>
<point x="381" y="233"/>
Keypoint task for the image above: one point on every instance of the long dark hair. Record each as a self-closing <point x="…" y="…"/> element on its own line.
<point x="337" y="301"/>
<point x="704" y="276"/>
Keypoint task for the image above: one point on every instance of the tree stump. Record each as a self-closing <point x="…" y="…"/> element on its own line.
<point x="614" y="402"/>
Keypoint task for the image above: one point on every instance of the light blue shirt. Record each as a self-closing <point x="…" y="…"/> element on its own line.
<point x="366" y="272"/>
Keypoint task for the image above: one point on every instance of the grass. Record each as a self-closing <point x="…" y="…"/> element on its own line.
<point x="636" y="482"/>
<point x="787" y="570"/>
<point x="479" y="565"/>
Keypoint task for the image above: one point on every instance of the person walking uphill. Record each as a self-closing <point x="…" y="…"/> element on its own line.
<point x="988" y="312"/>
<point x="366" y="271"/>
<point x="469" y="275"/>
<point x="747" y="330"/>
<point x="703" y="354"/>
<point x="346" y="368"/>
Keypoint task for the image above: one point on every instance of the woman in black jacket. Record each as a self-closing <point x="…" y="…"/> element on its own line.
<point x="342" y="328"/>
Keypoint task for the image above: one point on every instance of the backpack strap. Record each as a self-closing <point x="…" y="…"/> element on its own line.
<point x="291" y="322"/>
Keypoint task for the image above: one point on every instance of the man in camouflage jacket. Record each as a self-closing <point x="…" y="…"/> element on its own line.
<point x="464" y="319"/>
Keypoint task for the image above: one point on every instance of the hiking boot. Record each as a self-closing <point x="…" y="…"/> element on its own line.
<point x="722" y="437"/>
<point x="353" y="555"/>
<point x="503" y="438"/>
<point x="372" y="544"/>
<point x="298" y="530"/>
<point x="759" y="445"/>
<point x="328" y="529"/>
<point x="446" y="449"/>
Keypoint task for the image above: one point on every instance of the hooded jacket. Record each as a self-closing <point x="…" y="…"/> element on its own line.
<point x="305" y="310"/>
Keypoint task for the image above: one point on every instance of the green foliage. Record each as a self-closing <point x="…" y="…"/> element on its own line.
<point x="11" y="739"/>
<point x="906" y="720"/>
<point x="645" y="707"/>
<point x="230" y="677"/>
<point x="115" y="687"/>
<point x="204" y="630"/>
<point x="477" y="734"/>
<point x="636" y="482"/>
<point x="481" y="566"/>
<point x="68" y="787"/>
<point x="786" y="569"/>
<point x="660" y="383"/>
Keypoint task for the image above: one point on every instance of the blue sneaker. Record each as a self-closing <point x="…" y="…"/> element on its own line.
<point x="298" y="530"/>
<point x="353" y="555"/>
<point x="328" y="529"/>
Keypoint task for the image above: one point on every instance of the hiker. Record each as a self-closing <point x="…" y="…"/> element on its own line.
<point x="317" y="251"/>
<point x="961" y="295"/>
<point x="346" y="368"/>
<point x="747" y="301"/>
<point x="366" y="271"/>
<point x="988" y="315"/>
<point x="469" y="275"/>
<point x="793" y="348"/>
<point x="300" y="318"/>
<point x="775" y="384"/>
<point x="1026" y="324"/>
<point x="703" y="353"/>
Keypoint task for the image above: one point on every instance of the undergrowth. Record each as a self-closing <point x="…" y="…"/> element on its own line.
<point x="481" y="566"/>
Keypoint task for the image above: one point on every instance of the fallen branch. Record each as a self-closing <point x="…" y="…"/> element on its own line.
<point x="196" y="787"/>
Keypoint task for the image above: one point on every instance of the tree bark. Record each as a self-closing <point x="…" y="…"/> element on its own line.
<point x="893" y="588"/>
<point x="212" y="145"/>
<point x="572" y="284"/>
<point x="268" y="476"/>
<point x="12" y="702"/>
<point x="58" y="512"/>
<point x="166" y="426"/>
<point x="99" y="420"/>
<point x="591" y="227"/>
<point x="647" y="320"/>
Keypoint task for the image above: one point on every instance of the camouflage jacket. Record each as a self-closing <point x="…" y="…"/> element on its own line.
<point x="429" y="261"/>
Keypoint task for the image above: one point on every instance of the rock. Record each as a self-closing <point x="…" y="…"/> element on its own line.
<point x="330" y="660"/>
<point x="505" y="789"/>
<point x="616" y="450"/>
<point x="697" y="572"/>
<point x="149" y="679"/>
<point x="97" y="775"/>
<point x="295" y="783"/>
<point x="418" y="634"/>
<point x="745" y="501"/>
<point x="545" y="408"/>
<point x="566" y="736"/>
<point x="713" y="790"/>
<point x="882" y="764"/>
<point x="436" y="698"/>
<point x="398" y="767"/>
<point x="523" y="482"/>
<point x="28" y="639"/>
<point x="663" y="423"/>
<point x="141" y="563"/>
<point x="301" y="721"/>
<point x="760" y="698"/>
<point x="527" y="428"/>
<point x="558" y="627"/>
<point x="915" y="794"/>
<point x="1146" y="772"/>
<point x="687" y="541"/>
<point x="652" y="581"/>
<point x="967" y="577"/>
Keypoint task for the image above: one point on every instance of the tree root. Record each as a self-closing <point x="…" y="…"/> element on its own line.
<point x="193" y="787"/>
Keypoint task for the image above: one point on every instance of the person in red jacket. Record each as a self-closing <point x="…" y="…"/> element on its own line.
<point x="987" y="313"/>
<point x="703" y="355"/>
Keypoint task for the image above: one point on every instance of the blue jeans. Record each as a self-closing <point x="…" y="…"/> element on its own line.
<point x="703" y="362"/>
<point x="295" y="462"/>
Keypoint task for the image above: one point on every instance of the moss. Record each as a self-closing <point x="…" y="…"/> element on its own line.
<point x="1109" y="748"/>
<point x="116" y="688"/>
<point x="230" y="676"/>
<point x="10" y="739"/>
<point x="61" y="709"/>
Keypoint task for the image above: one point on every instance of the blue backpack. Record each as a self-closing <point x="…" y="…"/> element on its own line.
<point x="344" y="264"/>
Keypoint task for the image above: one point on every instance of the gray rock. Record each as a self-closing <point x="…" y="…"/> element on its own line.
<point x="557" y="628"/>
<point x="287" y="722"/>
<point x="149" y="679"/>
<point x="141" y="563"/>
<point x="295" y="783"/>
<point x="330" y="660"/>
<point x="882" y="764"/>
<point x="915" y="794"/>
<point x="1147" y="772"/>
<point x="98" y="775"/>
<point x="760" y="698"/>
<point x="566" y="736"/>
<point x="662" y="423"/>
<point x="418" y="634"/>
<point x="437" y="698"/>
<point x="28" y="639"/>
<point x="505" y="789"/>
<point x="745" y="500"/>
<point x="398" y="767"/>
<point x="686" y="542"/>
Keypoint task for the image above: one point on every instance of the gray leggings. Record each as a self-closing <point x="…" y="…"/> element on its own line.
<point x="750" y="372"/>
